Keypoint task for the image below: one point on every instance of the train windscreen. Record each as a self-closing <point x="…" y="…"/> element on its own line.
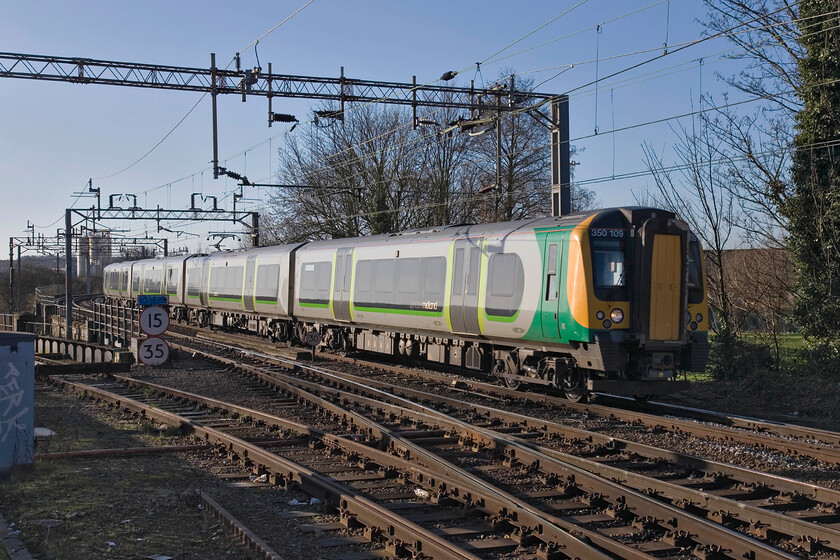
<point x="609" y="275"/>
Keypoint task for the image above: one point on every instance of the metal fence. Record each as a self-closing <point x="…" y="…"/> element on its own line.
<point x="115" y="324"/>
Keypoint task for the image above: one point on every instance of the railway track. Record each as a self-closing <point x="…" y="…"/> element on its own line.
<point x="764" y="505"/>
<point x="787" y="439"/>
<point x="708" y="516"/>
<point x="507" y="460"/>
<point x="593" y="524"/>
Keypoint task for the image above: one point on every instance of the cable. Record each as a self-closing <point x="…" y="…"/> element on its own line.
<point x="552" y="20"/>
<point x="681" y="47"/>
<point x="152" y="149"/>
<point x="200" y="99"/>
<point x="691" y="44"/>
<point x="656" y="121"/>
<point x="264" y="35"/>
<point x="613" y="57"/>
<point x="584" y="30"/>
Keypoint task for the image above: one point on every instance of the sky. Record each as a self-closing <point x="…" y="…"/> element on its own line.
<point x="55" y="136"/>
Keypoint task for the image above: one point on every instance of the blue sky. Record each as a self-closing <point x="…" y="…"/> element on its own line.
<point x="55" y="136"/>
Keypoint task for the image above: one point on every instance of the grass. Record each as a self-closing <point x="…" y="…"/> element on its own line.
<point x="73" y="508"/>
<point x="750" y="382"/>
<point x="144" y="504"/>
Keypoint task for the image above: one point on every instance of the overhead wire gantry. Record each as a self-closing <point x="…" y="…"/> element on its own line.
<point x="219" y="81"/>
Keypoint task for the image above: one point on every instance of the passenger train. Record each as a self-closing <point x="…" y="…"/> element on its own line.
<point x="606" y="300"/>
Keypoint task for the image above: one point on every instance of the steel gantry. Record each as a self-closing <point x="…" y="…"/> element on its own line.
<point x="341" y="90"/>
<point x="96" y="214"/>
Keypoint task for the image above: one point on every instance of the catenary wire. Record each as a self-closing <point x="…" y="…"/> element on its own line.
<point x="691" y="43"/>
<point x="200" y="99"/>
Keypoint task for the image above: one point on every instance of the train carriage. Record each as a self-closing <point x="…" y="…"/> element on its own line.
<point x="609" y="300"/>
<point x="116" y="280"/>
<point x="249" y="289"/>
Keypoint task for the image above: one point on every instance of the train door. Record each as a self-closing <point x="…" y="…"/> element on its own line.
<point x="660" y="291"/>
<point x="553" y="264"/>
<point x="343" y="275"/>
<point x="250" y="281"/>
<point x="463" y="302"/>
<point x="203" y="292"/>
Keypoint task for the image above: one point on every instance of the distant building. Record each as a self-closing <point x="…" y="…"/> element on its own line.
<point x="93" y="249"/>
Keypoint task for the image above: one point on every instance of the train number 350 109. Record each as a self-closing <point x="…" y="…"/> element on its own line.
<point x="603" y="232"/>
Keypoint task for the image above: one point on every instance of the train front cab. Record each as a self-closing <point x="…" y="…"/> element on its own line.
<point x="646" y="306"/>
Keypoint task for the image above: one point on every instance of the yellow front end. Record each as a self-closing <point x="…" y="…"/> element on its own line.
<point x="666" y="288"/>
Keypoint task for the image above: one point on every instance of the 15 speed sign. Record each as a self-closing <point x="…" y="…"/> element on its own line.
<point x="153" y="351"/>
<point x="154" y="321"/>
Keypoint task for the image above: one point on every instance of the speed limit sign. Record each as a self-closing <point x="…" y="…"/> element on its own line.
<point x="153" y="351"/>
<point x="312" y="338"/>
<point x="154" y="321"/>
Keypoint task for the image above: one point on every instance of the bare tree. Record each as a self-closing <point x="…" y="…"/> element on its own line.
<point x="358" y="177"/>
<point x="377" y="172"/>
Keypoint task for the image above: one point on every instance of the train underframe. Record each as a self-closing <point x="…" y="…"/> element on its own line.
<point x="576" y="370"/>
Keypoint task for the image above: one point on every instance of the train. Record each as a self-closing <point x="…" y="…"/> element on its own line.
<point x="610" y="300"/>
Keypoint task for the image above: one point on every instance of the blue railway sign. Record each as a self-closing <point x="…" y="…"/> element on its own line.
<point x="152" y="300"/>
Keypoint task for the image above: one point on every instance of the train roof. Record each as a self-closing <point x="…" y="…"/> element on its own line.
<point x="633" y="214"/>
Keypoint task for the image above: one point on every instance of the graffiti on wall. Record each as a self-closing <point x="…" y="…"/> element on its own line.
<point x="13" y="410"/>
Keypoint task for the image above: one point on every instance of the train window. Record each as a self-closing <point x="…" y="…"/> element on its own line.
<point x="114" y="280"/>
<point x="695" y="272"/>
<point x="608" y="271"/>
<point x="324" y="272"/>
<point x="506" y="284"/>
<point x="502" y="274"/>
<point x="135" y="280"/>
<point x="339" y="269"/>
<point x="268" y="279"/>
<point x="384" y="281"/>
<point x="375" y="284"/>
<point x="410" y="276"/>
<point x="434" y="278"/>
<point x="226" y="283"/>
<point x="193" y="282"/>
<point x="348" y="273"/>
<point x="551" y="274"/>
<point x="363" y="276"/>
<point x="152" y="281"/>
<point x="315" y="282"/>
<point x="472" y="275"/>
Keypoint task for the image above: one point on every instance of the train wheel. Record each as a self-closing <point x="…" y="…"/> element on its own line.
<point x="500" y="370"/>
<point x="573" y="383"/>
<point x="511" y="382"/>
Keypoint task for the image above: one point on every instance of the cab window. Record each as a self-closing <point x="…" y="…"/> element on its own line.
<point x="609" y="275"/>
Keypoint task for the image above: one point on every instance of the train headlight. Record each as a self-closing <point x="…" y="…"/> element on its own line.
<point x="600" y="315"/>
<point x="693" y="326"/>
<point x="617" y="315"/>
<point x="607" y="324"/>
<point x="698" y="317"/>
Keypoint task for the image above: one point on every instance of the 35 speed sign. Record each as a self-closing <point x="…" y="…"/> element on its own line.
<point x="154" y="321"/>
<point x="153" y="351"/>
